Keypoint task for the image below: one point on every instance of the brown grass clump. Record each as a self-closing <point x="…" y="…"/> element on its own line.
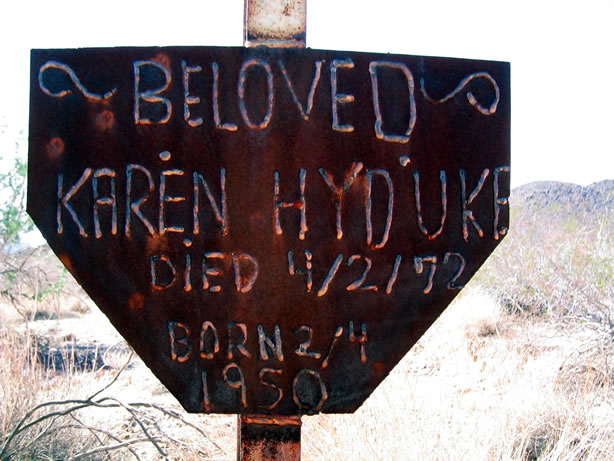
<point x="46" y="414"/>
<point x="563" y="429"/>
<point x="23" y="385"/>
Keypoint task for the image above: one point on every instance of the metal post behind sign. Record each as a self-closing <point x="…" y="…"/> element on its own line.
<point x="275" y="24"/>
<point x="269" y="438"/>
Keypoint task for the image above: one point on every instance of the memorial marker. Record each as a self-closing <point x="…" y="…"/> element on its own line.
<point x="270" y="229"/>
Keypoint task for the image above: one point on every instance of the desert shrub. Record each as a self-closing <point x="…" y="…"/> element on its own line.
<point x="559" y="266"/>
<point x="24" y="385"/>
<point x="14" y="220"/>
<point x="562" y="430"/>
<point x="28" y="276"/>
<point x="556" y="267"/>
<point x="49" y="415"/>
<point x="34" y="283"/>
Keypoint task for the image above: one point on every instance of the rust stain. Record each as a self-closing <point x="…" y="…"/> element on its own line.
<point x="105" y="120"/>
<point x="136" y="301"/>
<point x="378" y="368"/>
<point x="163" y="59"/>
<point x="269" y="438"/>
<point x="55" y="148"/>
<point x="257" y="221"/>
<point x="272" y="420"/>
<point x="66" y="261"/>
<point x="157" y="243"/>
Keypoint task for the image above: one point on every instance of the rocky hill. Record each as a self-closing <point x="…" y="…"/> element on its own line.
<point x="551" y="197"/>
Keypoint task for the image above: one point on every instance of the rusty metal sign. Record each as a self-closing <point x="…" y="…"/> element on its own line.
<point x="270" y="229"/>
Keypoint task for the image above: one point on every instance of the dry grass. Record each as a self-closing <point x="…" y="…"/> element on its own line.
<point x="519" y="368"/>
<point x="78" y="415"/>
<point x="23" y="385"/>
<point x="466" y="393"/>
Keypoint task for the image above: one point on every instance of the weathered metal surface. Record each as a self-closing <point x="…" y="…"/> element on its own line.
<point x="264" y="438"/>
<point x="270" y="229"/>
<point x="275" y="23"/>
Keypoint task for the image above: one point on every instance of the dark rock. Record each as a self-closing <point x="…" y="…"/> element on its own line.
<point x="64" y="356"/>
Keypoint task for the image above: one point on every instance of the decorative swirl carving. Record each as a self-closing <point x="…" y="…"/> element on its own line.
<point x="470" y="97"/>
<point x="66" y="69"/>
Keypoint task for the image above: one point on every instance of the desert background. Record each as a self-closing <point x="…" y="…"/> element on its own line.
<point x="519" y="367"/>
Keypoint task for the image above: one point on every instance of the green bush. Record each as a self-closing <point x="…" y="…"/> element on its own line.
<point x="14" y="220"/>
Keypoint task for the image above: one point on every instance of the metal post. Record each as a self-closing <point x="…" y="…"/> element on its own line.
<point x="275" y="23"/>
<point x="269" y="438"/>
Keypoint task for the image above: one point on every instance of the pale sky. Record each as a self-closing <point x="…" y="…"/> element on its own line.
<point x="561" y="55"/>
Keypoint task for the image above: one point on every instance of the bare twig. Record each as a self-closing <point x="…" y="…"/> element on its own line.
<point x="115" y="378"/>
<point x="178" y="417"/>
<point x="133" y="413"/>
<point x="108" y="448"/>
<point x="92" y="430"/>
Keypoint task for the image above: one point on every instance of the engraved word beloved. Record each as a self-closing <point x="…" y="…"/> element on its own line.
<point x="154" y="80"/>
